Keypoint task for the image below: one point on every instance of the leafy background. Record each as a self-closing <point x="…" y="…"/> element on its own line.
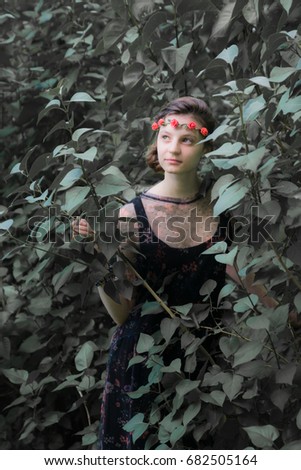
<point x="80" y="81"/>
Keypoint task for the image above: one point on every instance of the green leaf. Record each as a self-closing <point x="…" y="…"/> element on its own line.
<point x="286" y="374"/>
<point x="175" y="57"/>
<point x="207" y="288"/>
<point x="135" y="360"/>
<point x="18" y="401"/>
<point x="278" y="318"/>
<point x="262" y="81"/>
<point x="53" y="104"/>
<point x="131" y="35"/>
<point x="132" y="75"/>
<point x="74" y="198"/>
<point x="221" y="24"/>
<point x="293" y="105"/>
<point x="86" y="383"/>
<point x="247" y="352"/>
<point x="186" y="385"/>
<point x="60" y="278"/>
<point x="28" y="429"/>
<point x="145" y="343"/>
<point x="191" y="412"/>
<point x="40" y="305"/>
<point x="253" y="107"/>
<point x="71" y="177"/>
<point x="229" y="54"/>
<point x="89" y="438"/>
<point x="168" y="327"/>
<point x="7" y="131"/>
<point x="155" y="20"/>
<point x="216" y="397"/>
<point x="115" y="171"/>
<point x="225" y="291"/>
<point x="183" y="309"/>
<point x="16" y="169"/>
<point x="219" y="247"/>
<point x="250" y="12"/>
<point x="15" y="376"/>
<point x="66" y="384"/>
<point x="89" y="154"/>
<point x="229" y="345"/>
<point x="220" y="130"/>
<point x="232" y="386"/>
<point x="280" y="398"/>
<point x="174" y="366"/>
<point x="31" y="344"/>
<point x="84" y="357"/>
<point x="114" y="76"/>
<point x="143" y="390"/>
<point x="111" y="184"/>
<point x="226" y="149"/>
<point x="246" y="303"/>
<point x="82" y="97"/>
<point x="262" y="436"/>
<point x="227" y="258"/>
<point x="63" y="150"/>
<point x="279" y="74"/>
<point x="139" y="430"/>
<point x="51" y="417"/>
<point x="148" y="308"/>
<point x="155" y="374"/>
<point x="6" y="224"/>
<point x="231" y="197"/>
<point x="42" y="197"/>
<point x="136" y="426"/>
<point x="177" y="433"/>
<point x="257" y="368"/>
<point x="132" y="423"/>
<point x="113" y="32"/>
<point x="79" y="132"/>
<point x="258" y="323"/>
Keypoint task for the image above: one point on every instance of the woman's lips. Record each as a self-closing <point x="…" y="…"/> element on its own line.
<point x="172" y="160"/>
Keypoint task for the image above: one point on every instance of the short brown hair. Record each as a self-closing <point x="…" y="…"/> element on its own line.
<point x="185" y="105"/>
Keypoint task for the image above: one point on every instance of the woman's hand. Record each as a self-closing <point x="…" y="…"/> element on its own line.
<point x="81" y="227"/>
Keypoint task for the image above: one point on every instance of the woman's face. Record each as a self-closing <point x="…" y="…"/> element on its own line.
<point x="177" y="147"/>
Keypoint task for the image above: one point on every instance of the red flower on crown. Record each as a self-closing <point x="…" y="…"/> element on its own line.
<point x="161" y="122"/>
<point x="155" y="126"/>
<point x="174" y="123"/>
<point x="192" y="125"/>
<point x="204" y="131"/>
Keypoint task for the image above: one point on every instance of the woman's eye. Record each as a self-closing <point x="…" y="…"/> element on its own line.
<point x="187" y="140"/>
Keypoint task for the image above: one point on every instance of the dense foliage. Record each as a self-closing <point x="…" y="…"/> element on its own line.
<point x="80" y="83"/>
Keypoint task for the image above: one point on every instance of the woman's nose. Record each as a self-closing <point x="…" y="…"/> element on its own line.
<point x="174" y="146"/>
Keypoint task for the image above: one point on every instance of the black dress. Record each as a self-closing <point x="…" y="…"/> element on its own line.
<point x="182" y="271"/>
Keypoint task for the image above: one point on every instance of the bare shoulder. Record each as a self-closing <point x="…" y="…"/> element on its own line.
<point x="127" y="221"/>
<point x="127" y="211"/>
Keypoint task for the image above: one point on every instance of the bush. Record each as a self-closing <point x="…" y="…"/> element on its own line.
<point x="81" y="83"/>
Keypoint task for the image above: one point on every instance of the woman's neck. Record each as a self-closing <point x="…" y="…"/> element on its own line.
<point x="178" y="186"/>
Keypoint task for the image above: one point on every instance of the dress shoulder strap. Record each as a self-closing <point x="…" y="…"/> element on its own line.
<point x="140" y="213"/>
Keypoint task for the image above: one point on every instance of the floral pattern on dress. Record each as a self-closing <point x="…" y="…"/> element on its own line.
<point x="179" y="274"/>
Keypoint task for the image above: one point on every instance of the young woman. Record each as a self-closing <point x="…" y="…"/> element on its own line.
<point x="175" y="226"/>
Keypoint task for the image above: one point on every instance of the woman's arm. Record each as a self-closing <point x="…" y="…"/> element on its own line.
<point x="119" y="312"/>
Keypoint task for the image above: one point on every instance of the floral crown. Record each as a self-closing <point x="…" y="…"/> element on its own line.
<point x="174" y="123"/>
